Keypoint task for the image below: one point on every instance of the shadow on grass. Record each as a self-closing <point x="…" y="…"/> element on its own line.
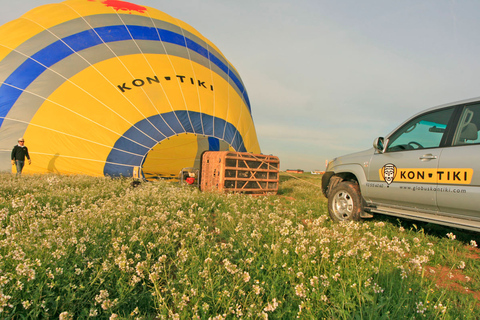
<point x="284" y="178"/>
<point x="432" y="229"/>
<point x="285" y="191"/>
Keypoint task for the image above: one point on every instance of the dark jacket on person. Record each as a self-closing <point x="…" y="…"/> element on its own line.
<point x="19" y="153"/>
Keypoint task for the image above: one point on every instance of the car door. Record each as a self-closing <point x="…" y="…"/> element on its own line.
<point x="458" y="192"/>
<point x="405" y="174"/>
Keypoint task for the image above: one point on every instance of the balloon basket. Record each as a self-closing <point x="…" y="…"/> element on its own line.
<point x="239" y="172"/>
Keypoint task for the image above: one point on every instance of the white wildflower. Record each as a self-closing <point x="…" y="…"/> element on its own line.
<point x="271" y="306"/>
<point x="26" y="304"/>
<point x="420" y="307"/>
<point x="451" y="236"/>
<point x="300" y="290"/>
<point x="65" y="316"/>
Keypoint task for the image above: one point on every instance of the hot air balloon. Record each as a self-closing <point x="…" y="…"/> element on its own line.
<point x="107" y="87"/>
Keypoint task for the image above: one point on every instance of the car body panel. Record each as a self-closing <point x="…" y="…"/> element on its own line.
<point x="347" y="165"/>
<point x="461" y="198"/>
<point x="404" y="164"/>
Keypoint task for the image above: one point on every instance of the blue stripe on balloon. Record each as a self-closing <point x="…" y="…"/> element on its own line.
<point x="120" y="161"/>
<point x="213" y="144"/>
<point x="33" y="67"/>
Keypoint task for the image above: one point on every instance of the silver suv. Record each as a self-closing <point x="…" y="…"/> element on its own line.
<point x="427" y="169"/>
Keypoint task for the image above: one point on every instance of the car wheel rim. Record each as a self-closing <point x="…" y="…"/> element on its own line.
<point x="342" y="205"/>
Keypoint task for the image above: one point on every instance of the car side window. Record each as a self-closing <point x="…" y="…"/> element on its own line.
<point x="422" y="132"/>
<point x="468" y="126"/>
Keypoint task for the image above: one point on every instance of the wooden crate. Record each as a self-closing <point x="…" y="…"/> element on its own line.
<point x="239" y="172"/>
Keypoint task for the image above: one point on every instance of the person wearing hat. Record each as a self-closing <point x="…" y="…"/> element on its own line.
<point x="19" y="153"/>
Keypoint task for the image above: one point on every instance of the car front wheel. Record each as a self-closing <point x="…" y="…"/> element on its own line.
<point x="345" y="202"/>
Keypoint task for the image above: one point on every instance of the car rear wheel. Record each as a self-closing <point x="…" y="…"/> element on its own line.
<point x="345" y="202"/>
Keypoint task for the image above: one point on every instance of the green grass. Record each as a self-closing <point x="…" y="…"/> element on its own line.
<point x="75" y="247"/>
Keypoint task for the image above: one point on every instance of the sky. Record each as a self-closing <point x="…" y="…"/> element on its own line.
<point x="324" y="77"/>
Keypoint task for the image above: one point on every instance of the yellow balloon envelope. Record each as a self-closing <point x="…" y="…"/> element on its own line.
<point x="107" y="87"/>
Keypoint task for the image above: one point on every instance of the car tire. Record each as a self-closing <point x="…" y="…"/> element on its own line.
<point x="345" y="202"/>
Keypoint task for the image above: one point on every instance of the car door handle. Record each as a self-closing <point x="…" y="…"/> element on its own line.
<point x="427" y="157"/>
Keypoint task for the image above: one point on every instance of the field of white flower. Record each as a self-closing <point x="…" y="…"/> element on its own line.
<point x="76" y="247"/>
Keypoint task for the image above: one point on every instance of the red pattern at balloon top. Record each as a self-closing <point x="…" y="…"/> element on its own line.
<point x="122" y="5"/>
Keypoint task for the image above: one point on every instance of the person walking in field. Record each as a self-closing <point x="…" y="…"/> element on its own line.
<point x="19" y="153"/>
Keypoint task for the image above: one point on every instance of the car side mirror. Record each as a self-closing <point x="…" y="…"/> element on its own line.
<point x="380" y="144"/>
